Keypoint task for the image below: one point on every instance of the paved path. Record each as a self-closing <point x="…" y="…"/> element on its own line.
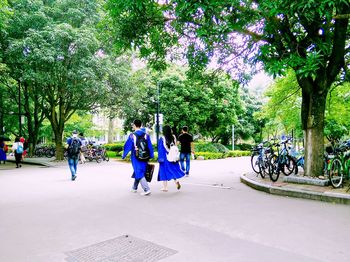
<point x="214" y="217"/>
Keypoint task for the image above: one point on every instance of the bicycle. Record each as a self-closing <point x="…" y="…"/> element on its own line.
<point x="260" y="160"/>
<point x="283" y="161"/>
<point x="339" y="166"/>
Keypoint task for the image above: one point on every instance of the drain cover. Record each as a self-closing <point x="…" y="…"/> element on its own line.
<point x="121" y="249"/>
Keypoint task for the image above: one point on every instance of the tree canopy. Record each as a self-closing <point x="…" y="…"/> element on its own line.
<point x="308" y="36"/>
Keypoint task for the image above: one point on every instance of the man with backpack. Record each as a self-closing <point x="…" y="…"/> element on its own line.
<point x="140" y="146"/>
<point x="73" y="150"/>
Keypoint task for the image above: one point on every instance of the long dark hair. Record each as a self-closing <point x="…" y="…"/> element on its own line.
<point x="168" y="134"/>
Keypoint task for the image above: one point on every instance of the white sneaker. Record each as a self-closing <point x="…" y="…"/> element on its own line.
<point x="133" y="190"/>
<point x="146" y="193"/>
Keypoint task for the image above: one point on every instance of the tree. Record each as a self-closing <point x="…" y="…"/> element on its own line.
<point x="55" y="56"/>
<point x="307" y="36"/>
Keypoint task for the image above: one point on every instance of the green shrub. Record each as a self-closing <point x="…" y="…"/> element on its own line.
<point x="210" y="155"/>
<point x="205" y="147"/>
<point x="243" y="147"/>
<point x="221" y="148"/>
<point x="116" y="147"/>
<point x="238" y="153"/>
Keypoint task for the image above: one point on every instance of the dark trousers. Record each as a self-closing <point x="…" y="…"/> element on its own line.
<point x="18" y="157"/>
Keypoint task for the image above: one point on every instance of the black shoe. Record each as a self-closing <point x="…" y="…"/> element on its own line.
<point x="74" y="177"/>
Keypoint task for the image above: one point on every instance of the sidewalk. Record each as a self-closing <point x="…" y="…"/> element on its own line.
<point x="40" y="161"/>
<point x="281" y="187"/>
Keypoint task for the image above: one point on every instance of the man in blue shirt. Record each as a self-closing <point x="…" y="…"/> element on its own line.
<point x="73" y="150"/>
<point x="139" y="165"/>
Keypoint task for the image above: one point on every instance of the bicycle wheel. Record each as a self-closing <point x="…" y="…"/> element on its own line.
<point x="106" y="157"/>
<point x="254" y="160"/>
<point x="274" y="171"/>
<point x="288" y="166"/>
<point x="336" y="173"/>
<point x="98" y="158"/>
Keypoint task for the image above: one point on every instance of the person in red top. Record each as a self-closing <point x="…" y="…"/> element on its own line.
<point x="187" y="147"/>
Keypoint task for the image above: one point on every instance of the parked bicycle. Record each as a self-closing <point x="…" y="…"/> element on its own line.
<point x="260" y="158"/>
<point x="339" y="166"/>
<point x="282" y="162"/>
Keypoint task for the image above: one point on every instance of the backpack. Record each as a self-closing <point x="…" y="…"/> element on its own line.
<point x="173" y="153"/>
<point x="19" y="149"/>
<point x="141" y="147"/>
<point x="74" y="148"/>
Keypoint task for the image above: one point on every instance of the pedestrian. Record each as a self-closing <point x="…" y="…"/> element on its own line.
<point x="3" y="151"/>
<point x="186" y="149"/>
<point x="84" y="144"/>
<point x="17" y="149"/>
<point x="73" y="152"/>
<point x="23" y="141"/>
<point x="140" y="146"/>
<point x="168" y="170"/>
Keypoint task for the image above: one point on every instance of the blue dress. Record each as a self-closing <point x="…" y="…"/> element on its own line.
<point x="2" y="152"/>
<point x="167" y="170"/>
<point x="129" y="146"/>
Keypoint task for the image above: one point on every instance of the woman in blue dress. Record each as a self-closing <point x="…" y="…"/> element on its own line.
<point x="2" y="151"/>
<point x="168" y="170"/>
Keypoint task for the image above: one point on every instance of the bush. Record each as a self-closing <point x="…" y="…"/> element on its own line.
<point x="238" y="153"/>
<point x="205" y="147"/>
<point x="221" y="148"/>
<point x="244" y="147"/>
<point x="210" y="155"/>
<point x="116" y="147"/>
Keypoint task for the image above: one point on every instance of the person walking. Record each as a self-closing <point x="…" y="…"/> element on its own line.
<point x="17" y="149"/>
<point x="186" y="148"/>
<point x="73" y="150"/>
<point x="168" y="170"/>
<point x="140" y="146"/>
<point x="3" y="151"/>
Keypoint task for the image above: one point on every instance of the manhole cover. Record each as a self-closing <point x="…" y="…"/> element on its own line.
<point x="123" y="248"/>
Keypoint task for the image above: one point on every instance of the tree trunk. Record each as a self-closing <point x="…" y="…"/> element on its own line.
<point x="59" y="145"/>
<point x="110" y="131"/>
<point x="313" y="111"/>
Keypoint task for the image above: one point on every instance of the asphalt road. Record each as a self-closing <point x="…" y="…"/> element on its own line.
<point x="44" y="216"/>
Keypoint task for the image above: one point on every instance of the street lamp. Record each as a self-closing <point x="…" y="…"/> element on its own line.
<point x="157" y="117"/>
<point x="19" y="108"/>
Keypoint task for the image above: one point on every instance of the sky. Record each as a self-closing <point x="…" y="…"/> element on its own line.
<point x="260" y="81"/>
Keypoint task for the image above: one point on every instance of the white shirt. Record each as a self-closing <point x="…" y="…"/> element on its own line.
<point x="15" y="145"/>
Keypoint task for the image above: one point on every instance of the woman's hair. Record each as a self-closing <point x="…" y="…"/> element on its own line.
<point x="17" y="139"/>
<point x="168" y="134"/>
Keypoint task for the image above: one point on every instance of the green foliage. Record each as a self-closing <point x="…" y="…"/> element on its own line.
<point x="243" y="147"/>
<point x="115" y="147"/>
<point x="238" y="153"/>
<point x="210" y="155"/>
<point x="282" y="110"/>
<point x="205" y="147"/>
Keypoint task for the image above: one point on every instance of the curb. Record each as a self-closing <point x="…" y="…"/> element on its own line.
<point x="298" y="193"/>
<point x="32" y="163"/>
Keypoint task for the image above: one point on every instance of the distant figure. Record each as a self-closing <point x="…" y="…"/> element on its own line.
<point x="23" y="141"/>
<point x="84" y="144"/>
<point x="168" y="170"/>
<point x="187" y="147"/>
<point x="140" y="146"/>
<point x="17" y="149"/>
<point x="73" y="150"/>
<point x="3" y="151"/>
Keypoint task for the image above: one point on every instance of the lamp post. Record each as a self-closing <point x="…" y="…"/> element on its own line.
<point x="19" y="108"/>
<point x="157" y="117"/>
